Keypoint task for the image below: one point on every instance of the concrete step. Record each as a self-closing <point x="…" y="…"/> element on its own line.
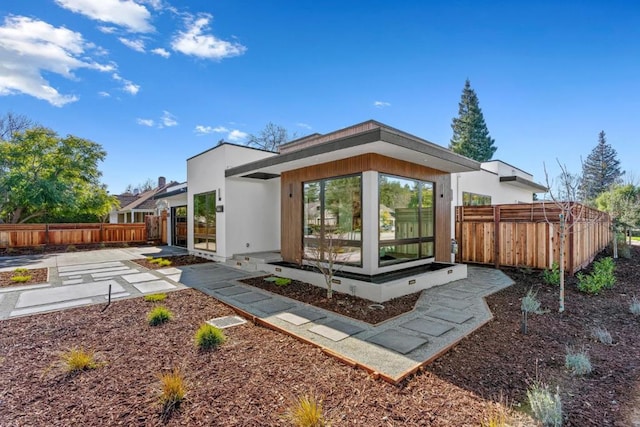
<point x="258" y="258"/>
<point x="242" y="265"/>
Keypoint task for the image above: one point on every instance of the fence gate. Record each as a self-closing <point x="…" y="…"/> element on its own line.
<point x="156" y="227"/>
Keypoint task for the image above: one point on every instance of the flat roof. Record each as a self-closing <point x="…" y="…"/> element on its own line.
<point x="382" y="139"/>
<point x="521" y="182"/>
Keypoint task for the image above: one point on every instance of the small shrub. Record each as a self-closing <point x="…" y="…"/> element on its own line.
<point x="602" y="335"/>
<point x="155" y="297"/>
<point x="634" y="307"/>
<point x="21" y="279"/>
<point x="173" y="390"/>
<point x="602" y="277"/>
<point x="77" y="359"/>
<point x="208" y="337"/>
<point x="552" y="276"/>
<point x="306" y="411"/>
<point x="71" y="248"/>
<point x="20" y="271"/>
<point x="545" y="406"/>
<point x="577" y="361"/>
<point x="164" y="263"/>
<point x="159" y="315"/>
<point x="281" y="281"/>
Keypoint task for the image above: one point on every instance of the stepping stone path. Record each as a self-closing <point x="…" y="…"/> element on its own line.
<point x="84" y="284"/>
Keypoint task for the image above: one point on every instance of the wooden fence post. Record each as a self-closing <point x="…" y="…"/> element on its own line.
<point x="46" y="234"/>
<point x="496" y="236"/>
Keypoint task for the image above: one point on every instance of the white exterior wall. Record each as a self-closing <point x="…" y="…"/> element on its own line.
<point x="205" y="173"/>
<point x="252" y="215"/>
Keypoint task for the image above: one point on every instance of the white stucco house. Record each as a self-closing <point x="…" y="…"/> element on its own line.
<point x="382" y="196"/>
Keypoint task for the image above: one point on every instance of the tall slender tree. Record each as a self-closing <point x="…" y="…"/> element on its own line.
<point x="470" y="134"/>
<point x="600" y="171"/>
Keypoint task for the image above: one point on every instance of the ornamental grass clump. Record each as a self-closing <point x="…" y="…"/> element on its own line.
<point x="173" y="391"/>
<point x="634" y="307"/>
<point x="155" y="297"/>
<point x="530" y="304"/>
<point x="602" y="334"/>
<point x="546" y="407"/>
<point x="159" y="315"/>
<point x="209" y="337"/>
<point x="577" y="361"/>
<point x="77" y="359"/>
<point x="306" y="411"/>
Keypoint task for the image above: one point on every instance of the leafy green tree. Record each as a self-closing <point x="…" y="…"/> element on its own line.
<point x="470" y="134"/>
<point x="44" y="177"/>
<point x="622" y="202"/>
<point x="600" y="171"/>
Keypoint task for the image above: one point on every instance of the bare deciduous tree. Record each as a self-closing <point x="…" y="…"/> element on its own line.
<point x="11" y="123"/>
<point x="270" y="137"/>
<point x="564" y="198"/>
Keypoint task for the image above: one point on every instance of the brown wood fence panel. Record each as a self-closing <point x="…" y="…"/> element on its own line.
<point x="529" y="235"/>
<point x="30" y="235"/>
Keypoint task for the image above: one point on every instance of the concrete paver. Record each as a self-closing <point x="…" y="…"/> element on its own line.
<point x="428" y="327"/>
<point x="249" y="297"/>
<point x="65" y="293"/>
<point x="153" y="286"/>
<point x="449" y="315"/>
<point x="139" y="277"/>
<point x="398" y="341"/>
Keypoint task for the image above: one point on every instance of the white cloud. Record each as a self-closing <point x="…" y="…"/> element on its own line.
<point x="30" y="47"/>
<point x="381" y="104"/>
<point x="127" y="85"/>
<point x="124" y="13"/>
<point x="304" y="126"/>
<point x="236" y="135"/>
<point x="107" y="30"/>
<point x="137" y="45"/>
<point x="168" y="119"/>
<point x="162" y="52"/>
<point x="193" y="42"/>
<point x="145" y="122"/>
<point x="203" y="130"/>
<point x="104" y="94"/>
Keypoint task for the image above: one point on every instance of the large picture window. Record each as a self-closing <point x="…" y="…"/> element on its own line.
<point x="332" y="225"/>
<point x="406" y="219"/>
<point x="204" y="221"/>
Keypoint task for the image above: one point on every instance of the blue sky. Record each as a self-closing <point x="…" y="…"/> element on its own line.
<point x="156" y="82"/>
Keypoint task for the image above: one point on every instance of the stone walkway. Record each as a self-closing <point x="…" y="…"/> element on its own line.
<point x="393" y="349"/>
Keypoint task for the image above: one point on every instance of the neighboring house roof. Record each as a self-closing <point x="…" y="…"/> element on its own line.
<point x="143" y="201"/>
<point x="366" y="137"/>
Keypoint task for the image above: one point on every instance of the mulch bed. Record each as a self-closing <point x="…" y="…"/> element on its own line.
<point x="176" y="261"/>
<point x="251" y="379"/>
<point x="347" y="305"/>
<point x="38" y="275"/>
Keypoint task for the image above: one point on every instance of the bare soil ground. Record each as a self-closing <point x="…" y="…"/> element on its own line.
<point x="252" y="378"/>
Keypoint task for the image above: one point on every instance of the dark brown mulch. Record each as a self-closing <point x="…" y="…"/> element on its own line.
<point x="38" y="275"/>
<point x="498" y="358"/>
<point x="347" y="305"/>
<point x="176" y="261"/>
<point x="249" y="381"/>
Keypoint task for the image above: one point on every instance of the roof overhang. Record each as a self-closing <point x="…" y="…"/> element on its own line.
<point x="518" y="181"/>
<point x="383" y="141"/>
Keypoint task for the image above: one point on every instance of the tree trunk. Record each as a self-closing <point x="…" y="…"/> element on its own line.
<point x="562" y="244"/>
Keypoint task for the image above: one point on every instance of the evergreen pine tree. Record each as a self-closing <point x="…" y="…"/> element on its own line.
<point x="600" y="171"/>
<point x="470" y="134"/>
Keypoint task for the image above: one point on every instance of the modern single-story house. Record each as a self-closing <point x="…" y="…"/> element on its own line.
<point x="377" y="199"/>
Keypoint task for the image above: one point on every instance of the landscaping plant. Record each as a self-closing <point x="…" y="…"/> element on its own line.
<point x="552" y="276"/>
<point x="634" y="307"/>
<point x="577" y="361"/>
<point x="77" y="359"/>
<point x="209" y="337"/>
<point x="159" y="315"/>
<point x="545" y="406"/>
<point x="306" y="411"/>
<point x="602" y="277"/>
<point x="601" y="334"/>
<point x="173" y="391"/>
<point x="530" y="304"/>
<point x="155" y="297"/>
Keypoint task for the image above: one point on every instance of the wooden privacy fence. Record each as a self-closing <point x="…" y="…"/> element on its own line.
<point x="528" y="235"/>
<point x="25" y="235"/>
